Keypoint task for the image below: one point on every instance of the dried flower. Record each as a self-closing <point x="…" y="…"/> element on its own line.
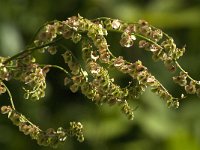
<point x="116" y="24"/>
<point x="92" y="74"/>
<point x="181" y="79"/>
<point x="191" y="88"/>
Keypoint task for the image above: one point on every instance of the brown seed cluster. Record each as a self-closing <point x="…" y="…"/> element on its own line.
<point x="90" y="75"/>
<point x="50" y="137"/>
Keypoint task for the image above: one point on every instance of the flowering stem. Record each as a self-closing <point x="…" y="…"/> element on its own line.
<point x="56" y="66"/>
<point x="40" y="28"/>
<point x="178" y="65"/>
<point x="148" y="39"/>
<point x="24" y="118"/>
<point x="30" y="50"/>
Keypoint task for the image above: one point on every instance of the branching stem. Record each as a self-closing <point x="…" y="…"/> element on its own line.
<point x="179" y="66"/>
<point x="30" y="50"/>
<point x="56" y="66"/>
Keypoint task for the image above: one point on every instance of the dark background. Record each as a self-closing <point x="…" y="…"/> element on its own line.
<point x="155" y="127"/>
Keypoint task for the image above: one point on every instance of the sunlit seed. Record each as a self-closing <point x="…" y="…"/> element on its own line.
<point x="116" y="24"/>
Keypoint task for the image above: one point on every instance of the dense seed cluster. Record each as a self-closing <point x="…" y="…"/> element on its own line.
<point x="50" y="137"/>
<point x="90" y="75"/>
<point x="191" y="87"/>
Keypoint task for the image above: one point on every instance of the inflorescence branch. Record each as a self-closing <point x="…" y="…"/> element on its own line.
<point x="91" y="75"/>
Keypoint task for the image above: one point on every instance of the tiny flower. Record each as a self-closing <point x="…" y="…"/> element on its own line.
<point x="74" y="88"/>
<point x="116" y="24"/>
<point x="133" y="37"/>
<point x="119" y="61"/>
<point x="131" y="28"/>
<point x="191" y="88"/>
<point x="169" y="64"/>
<point x="67" y="34"/>
<point x="126" y="42"/>
<point x="183" y="96"/>
<point x="145" y="30"/>
<point x="52" y="50"/>
<point x="105" y="57"/>
<point x="181" y="79"/>
<point x="144" y="44"/>
<point x="156" y="35"/>
<point x="100" y="30"/>
<point x="67" y="56"/>
<point x="94" y="68"/>
<point x="151" y="80"/>
<point x="94" y="56"/>
<point x="6" y="109"/>
<point x="60" y="28"/>
<point x="76" y="37"/>
<point x="80" y="138"/>
<point x="143" y="22"/>
<point x="153" y="48"/>
<point x="43" y="36"/>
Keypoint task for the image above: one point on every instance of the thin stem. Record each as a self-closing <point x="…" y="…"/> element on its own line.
<point x="149" y="40"/>
<point x="58" y="67"/>
<point x="30" y="50"/>
<point x="138" y="35"/>
<point x="30" y="122"/>
<point x="178" y="65"/>
<point x="10" y="96"/>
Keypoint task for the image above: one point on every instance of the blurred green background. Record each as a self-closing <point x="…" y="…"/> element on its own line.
<point x="155" y="127"/>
